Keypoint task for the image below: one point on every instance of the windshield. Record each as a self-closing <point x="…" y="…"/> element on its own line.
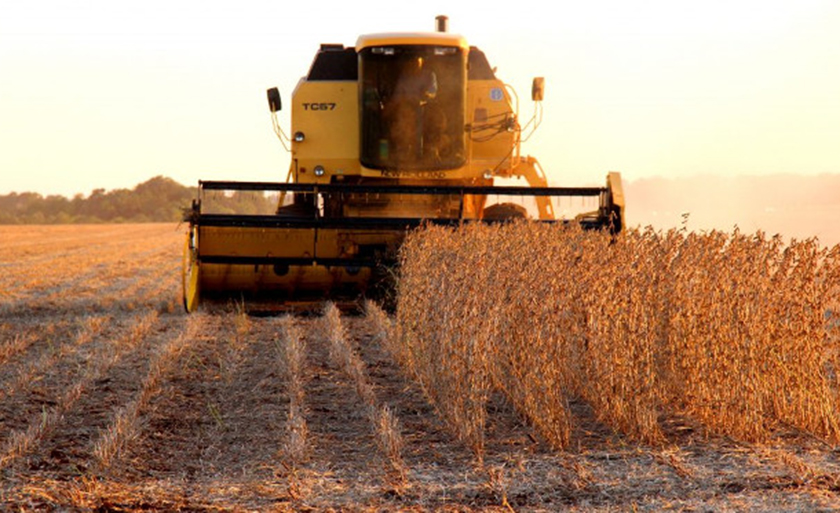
<point x="412" y="107"/>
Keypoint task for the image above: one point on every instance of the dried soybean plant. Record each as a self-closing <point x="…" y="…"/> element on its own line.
<point x="532" y="308"/>
<point x="738" y="331"/>
<point x="619" y="289"/>
<point x="749" y="328"/>
<point x="439" y="303"/>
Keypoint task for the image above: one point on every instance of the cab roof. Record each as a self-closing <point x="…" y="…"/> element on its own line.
<point x="411" y="38"/>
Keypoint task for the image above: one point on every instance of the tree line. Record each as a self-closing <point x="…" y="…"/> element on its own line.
<point x="159" y="199"/>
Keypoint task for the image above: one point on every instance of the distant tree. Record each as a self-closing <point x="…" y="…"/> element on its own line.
<point x="159" y="199"/>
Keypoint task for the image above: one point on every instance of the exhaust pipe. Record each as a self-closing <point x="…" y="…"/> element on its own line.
<point x="442" y="23"/>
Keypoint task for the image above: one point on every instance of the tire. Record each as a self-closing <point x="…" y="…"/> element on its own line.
<point x="505" y="212"/>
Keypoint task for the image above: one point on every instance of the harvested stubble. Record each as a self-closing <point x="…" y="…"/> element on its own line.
<point x="15" y="345"/>
<point x="111" y="261"/>
<point x="21" y="442"/>
<point x="23" y="376"/>
<point x="292" y="354"/>
<point x="734" y="330"/>
<point x="384" y="422"/>
<point x="126" y="423"/>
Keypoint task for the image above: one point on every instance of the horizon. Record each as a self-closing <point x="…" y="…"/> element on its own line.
<point x="624" y="180"/>
<point x="801" y="207"/>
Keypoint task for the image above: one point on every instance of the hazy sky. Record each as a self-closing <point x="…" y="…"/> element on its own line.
<point x="110" y="93"/>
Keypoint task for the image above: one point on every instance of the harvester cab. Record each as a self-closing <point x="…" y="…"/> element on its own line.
<point x="402" y="129"/>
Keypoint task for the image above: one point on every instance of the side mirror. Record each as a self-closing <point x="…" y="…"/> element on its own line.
<point x="274" y="99"/>
<point x="538" y="89"/>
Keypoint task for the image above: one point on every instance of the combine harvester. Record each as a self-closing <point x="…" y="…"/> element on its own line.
<point x="402" y="130"/>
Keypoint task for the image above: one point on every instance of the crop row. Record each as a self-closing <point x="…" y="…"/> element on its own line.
<point x="738" y="332"/>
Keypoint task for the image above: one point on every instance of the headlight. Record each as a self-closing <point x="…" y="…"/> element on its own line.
<point x="299" y="137"/>
<point x="319" y="170"/>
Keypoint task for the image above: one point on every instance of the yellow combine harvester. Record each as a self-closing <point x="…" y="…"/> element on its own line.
<point x="401" y="130"/>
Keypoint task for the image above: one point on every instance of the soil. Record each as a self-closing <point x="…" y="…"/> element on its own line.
<point x="210" y="434"/>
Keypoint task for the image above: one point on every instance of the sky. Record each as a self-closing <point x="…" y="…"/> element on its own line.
<point x="111" y="93"/>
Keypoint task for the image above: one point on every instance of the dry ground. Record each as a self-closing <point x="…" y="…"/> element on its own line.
<point x="112" y="399"/>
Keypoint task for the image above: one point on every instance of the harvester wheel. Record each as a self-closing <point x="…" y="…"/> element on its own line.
<point x="189" y="276"/>
<point x="504" y="212"/>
